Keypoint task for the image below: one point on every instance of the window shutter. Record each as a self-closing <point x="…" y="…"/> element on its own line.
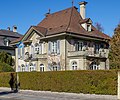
<point x="49" y="47"/>
<point x="58" y="46"/>
<point x="23" y="53"/>
<point x="18" y="52"/>
<point x="40" y="49"/>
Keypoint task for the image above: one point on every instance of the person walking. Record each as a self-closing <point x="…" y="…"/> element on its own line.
<point x="11" y="82"/>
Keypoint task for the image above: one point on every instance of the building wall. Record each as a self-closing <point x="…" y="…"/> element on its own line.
<point x="66" y="57"/>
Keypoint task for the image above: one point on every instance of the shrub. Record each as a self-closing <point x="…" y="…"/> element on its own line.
<point x="93" y="82"/>
<point x="5" y="67"/>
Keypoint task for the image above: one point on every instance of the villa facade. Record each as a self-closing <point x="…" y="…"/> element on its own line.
<point x="64" y="40"/>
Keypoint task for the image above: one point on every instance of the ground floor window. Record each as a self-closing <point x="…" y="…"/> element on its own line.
<point x="41" y="67"/>
<point x="94" y="66"/>
<point x="55" y="68"/>
<point x="22" y="67"/>
<point x="32" y="67"/>
<point x="74" y="65"/>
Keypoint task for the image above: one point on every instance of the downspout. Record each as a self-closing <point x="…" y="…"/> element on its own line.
<point x="65" y="54"/>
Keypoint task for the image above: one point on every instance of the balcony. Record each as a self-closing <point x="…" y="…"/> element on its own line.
<point x="87" y="54"/>
<point x="41" y="56"/>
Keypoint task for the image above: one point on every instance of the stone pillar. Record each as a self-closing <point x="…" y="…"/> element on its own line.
<point x="118" y="92"/>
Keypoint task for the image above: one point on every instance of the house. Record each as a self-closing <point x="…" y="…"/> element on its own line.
<point x="6" y="37"/>
<point x="64" y="40"/>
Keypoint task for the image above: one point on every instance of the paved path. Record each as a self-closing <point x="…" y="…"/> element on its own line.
<point x="6" y="94"/>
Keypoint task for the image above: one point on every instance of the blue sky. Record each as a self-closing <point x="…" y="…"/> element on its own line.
<point x="24" y="13"/>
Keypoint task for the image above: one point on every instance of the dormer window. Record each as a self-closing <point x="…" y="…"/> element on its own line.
<point x="86" y="24"/>
<point x="6" y="42"/>
<point x="88" y="27"/>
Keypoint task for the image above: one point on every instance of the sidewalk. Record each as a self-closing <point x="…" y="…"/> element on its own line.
<point x="62" y="95"/>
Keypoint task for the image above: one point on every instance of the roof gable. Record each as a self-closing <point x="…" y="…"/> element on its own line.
<point x="34" y="29"/>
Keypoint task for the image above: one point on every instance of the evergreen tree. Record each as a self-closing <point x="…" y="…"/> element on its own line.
<point x="114" y="54"/>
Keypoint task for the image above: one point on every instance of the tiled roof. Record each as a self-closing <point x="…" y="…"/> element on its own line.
<point x="17" y="40"/>
<point x="10" y="35"/>
<point x="40" y="29"/>
<point x="68" y="20"/>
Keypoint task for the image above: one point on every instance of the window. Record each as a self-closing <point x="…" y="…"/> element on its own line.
<point x="96" y="48"/>
<point x="88" y="27"/>
<point x="94" y="66"/>
<point x="74" y="65"/>
<point x="78" y="46"/>
<point x="41" y="68"/>
<point x="36" y="48"/>
<point x="54" y="47"/>
<point x="21" y="53"/>
<point x="6" y="42"/>
<point x="32" y="67"/>
<point x="55" y="68"/>
<point x="23" y="67"/>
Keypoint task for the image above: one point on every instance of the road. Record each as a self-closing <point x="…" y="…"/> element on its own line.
<point x="6" y="94"/>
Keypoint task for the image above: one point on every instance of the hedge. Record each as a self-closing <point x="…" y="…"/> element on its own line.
<point x="93" y="82"/>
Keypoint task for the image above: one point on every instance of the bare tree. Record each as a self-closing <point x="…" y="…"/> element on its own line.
<point x="99" y="27"/>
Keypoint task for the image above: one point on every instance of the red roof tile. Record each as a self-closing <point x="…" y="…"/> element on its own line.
<point x="68" y="20"/>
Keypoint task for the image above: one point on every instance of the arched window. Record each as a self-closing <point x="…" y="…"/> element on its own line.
<point x="94" y="66"/>
<point x="22" y="67"/>
<point x="74" y="65"/>
<point x="41" y="67"/>
<point x="32" y="67"/>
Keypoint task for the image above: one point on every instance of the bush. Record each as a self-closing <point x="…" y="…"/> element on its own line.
<point x="93" y="82"/>
<point x="5" y="67"/>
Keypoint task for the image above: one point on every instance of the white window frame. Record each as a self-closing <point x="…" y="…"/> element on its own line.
<point x="79" y="46"/>
<point x="36" y="48"/>
<point x="74" y="65"/>
<point x="23" y="68"/>
<point x="55" y="67"/>
<point x="42" y="67"/>
<point x="32" y="67"/>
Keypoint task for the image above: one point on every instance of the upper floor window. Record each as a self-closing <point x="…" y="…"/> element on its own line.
<point x="54" y="47"/>
<point x="21" y="53"/>
<point x="36" y="48"/>
<point x="78" y="46"/>
<point x="96" y="48"/>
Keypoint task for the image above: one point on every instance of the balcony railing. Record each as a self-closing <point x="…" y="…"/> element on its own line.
<point x="87" y="53"/>
<point x="41" y="56"/>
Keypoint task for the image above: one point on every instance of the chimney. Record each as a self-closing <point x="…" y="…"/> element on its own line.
<point x="14" y="28"/>
<point x="82" y="9"/>
<point x="8" y="28"/>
